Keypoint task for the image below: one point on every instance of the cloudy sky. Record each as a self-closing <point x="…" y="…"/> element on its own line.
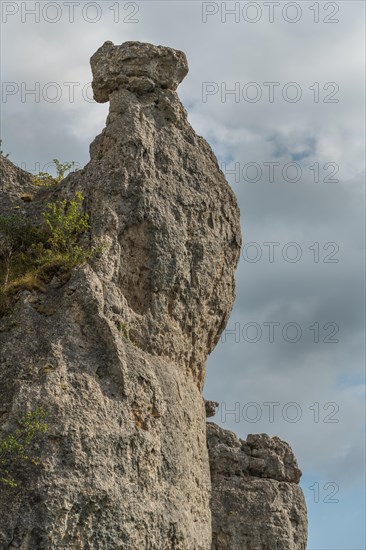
<point x="277" y="88"/>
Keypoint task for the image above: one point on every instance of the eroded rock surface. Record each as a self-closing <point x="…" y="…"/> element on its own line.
<point x="165" y="210"/>
<point x="136" y="66"/>
<point x="256" y="501"/>
<point x="15" y="186"/>
<point x="116" y="354"/>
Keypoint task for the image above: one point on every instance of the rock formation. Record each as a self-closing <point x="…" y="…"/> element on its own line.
<point x="256" y="501"/>
<point x="115" y="353"/>
<point x="211" y="407"/>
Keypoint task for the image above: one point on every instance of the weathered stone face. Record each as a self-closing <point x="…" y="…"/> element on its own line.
<point x="256" y="502"/>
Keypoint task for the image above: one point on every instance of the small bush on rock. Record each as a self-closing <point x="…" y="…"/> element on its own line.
<point x="66" y="222"/>
<point x="15" y="447"/>
<point x="44" y="179"/>
<point x="28" y="253"/>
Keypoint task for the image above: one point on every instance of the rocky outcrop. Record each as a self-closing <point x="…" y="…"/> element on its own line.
<point x="137" y="67"/>
<point x="15" y="186"/>
<point x="115" y="352"/>
<point x="256" y="501"/>
<point x="211" y="407"/>
<point x="165" y="211"/>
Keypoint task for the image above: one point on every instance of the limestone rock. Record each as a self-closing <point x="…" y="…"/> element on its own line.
<point x="136" y="66"/>
<point x="15" y="186"/>
<point x="256" y="502"/>
<point x="124" y="462"/>
<point x="166" y="214"/>
<point x="211" y="407"/>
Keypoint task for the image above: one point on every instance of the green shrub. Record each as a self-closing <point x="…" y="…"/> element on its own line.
<point x="15" y="446"/>
<point x="66" y="222"/>
<point x="44" y="179"/>
<point x="62" y="168"/>
<point x="28" y="254"/>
